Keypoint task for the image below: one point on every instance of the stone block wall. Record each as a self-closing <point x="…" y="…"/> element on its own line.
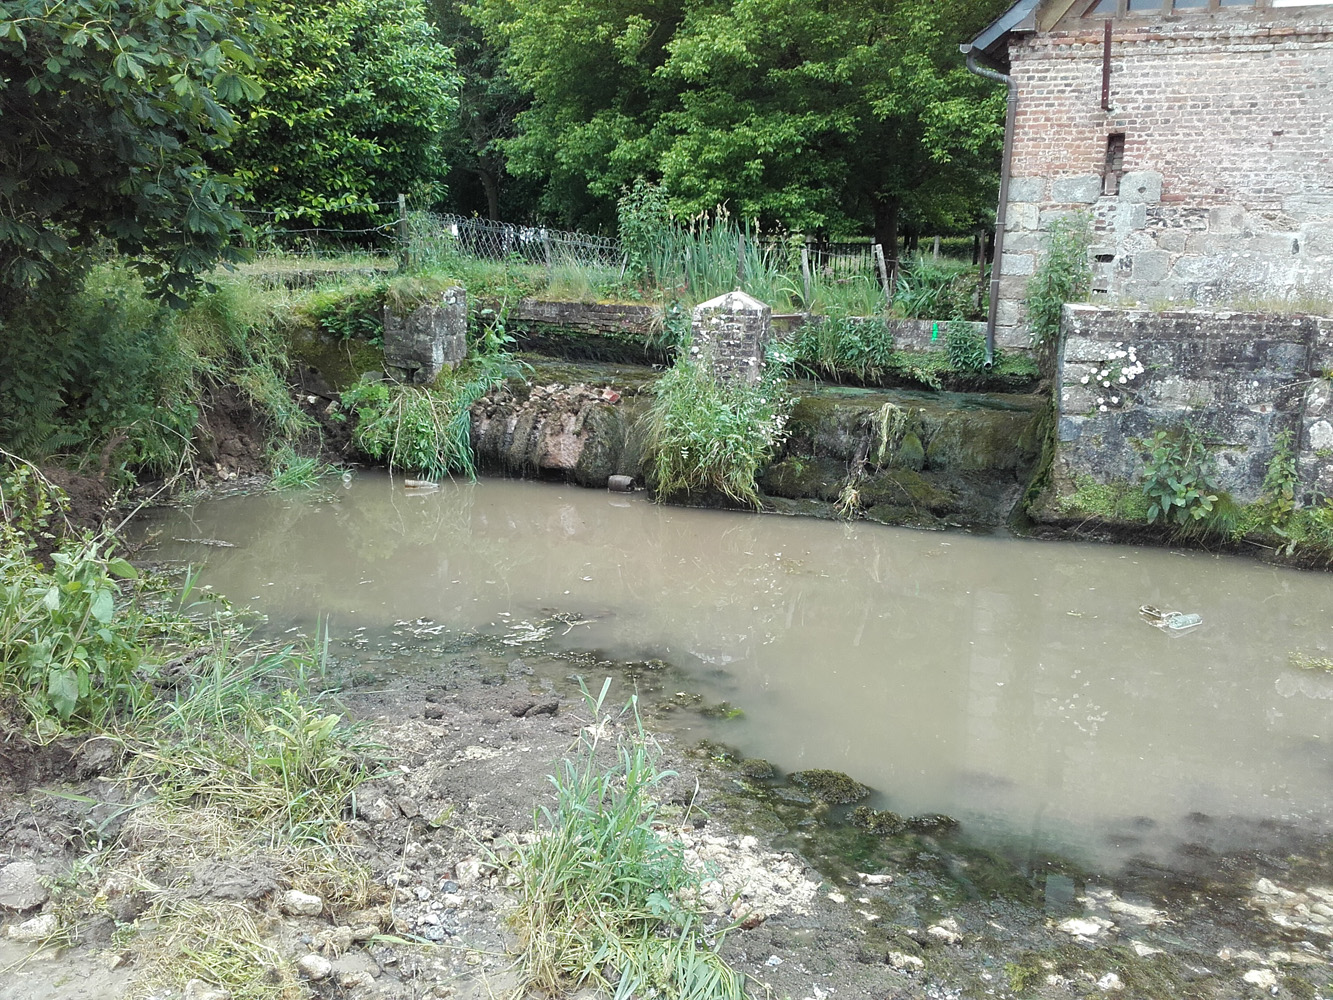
<point x="1241" y="379"/>
<point x="1226" y="192"/>
<point x="734" y="331"/>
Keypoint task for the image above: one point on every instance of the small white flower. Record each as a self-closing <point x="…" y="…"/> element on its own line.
<point x="1103" y="373"/>
<point x="1100" y="400"/>
<point x="1115" y="399"/>
<point x="1123" y="380"/>
<point x="1119" y="343"/>
<point x="1131" y="374"/>
<point x="1084" y="379"/>
<point x="1106" y="383"/>
<point x="1102" y="409"/>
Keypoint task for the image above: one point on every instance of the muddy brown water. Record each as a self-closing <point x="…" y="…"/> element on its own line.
<point x="1007" y="682"/>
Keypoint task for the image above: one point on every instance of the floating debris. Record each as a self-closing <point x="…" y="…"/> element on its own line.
<point x="1176" y="621"/>
<point x="217" y="543"/>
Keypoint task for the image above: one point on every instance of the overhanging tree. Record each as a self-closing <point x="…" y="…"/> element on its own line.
<point x="107" y="108"/>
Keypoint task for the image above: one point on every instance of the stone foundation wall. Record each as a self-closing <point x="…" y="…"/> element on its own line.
<point x="1240" y="379"/>
<point x="1226" y="189"/>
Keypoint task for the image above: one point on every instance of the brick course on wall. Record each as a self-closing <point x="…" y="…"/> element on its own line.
<point x="1227" y="191"/>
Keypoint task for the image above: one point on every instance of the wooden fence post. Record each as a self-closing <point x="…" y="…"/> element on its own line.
<point x="878" y="252"/>
<point x="807" y="282"/>
<point x="404" y="235"/>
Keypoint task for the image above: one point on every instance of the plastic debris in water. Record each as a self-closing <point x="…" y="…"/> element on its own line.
<point x="1176" y="621"/>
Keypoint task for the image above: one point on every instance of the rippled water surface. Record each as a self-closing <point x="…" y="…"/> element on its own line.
<point x="1010" y="683"/>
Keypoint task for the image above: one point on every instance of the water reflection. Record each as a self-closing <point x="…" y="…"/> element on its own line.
<point x="1009" y="683"/>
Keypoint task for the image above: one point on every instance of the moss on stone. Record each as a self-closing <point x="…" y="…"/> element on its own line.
<point x="910" y="453"/>
<point x="904" y="488"/>
<point x="880" y="822"/>
<point x="832" y="787"/>
<point x="340" y="362"/>
<point x="797" y="478"/>
<point x="1118" y="500"/>
<point x="757" y="769"/>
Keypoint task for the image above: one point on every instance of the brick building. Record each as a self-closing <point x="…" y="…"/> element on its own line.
<point x="1197" y="133"/>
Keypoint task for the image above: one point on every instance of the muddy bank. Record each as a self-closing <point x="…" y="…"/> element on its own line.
<point x="824" y="898"/>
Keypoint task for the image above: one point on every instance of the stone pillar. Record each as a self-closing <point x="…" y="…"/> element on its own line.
<point x="734" y="330"/>
<point x="417" y="347"/>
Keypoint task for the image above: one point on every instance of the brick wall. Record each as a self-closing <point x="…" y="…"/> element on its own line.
<point x="1227" y="192"/>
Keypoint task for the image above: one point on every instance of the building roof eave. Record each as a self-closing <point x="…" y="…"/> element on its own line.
<point x="992" y="45"/>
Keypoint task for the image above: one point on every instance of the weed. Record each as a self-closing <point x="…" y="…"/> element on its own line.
<point x="1064" y="274"/>
<point x="603" y="890"/>
<point x="426" y="429"/>
<point x="936" y="289"/>
<point x="965" y="347"/>
<point x="845" y="345"/>
<point x="1178" y="477"/>
<point x="292" y="471"/>
<point x="705" y="433"/>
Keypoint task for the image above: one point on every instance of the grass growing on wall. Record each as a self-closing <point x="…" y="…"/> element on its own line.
<point x="705" y="434"/>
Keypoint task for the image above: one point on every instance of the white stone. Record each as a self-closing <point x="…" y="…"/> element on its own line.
<point x="39" y="928"/>
<point x="1264" y="979"/>
<point x="20" y="886"/>
<point x="197" y="989"/>
<point x="946" y="931"/>
<point x="905" y="963"/>
<point x="1144" y="950"/>
<point x="314" y="966"/>
<point x="1109" y="983"/>
<point x="468" y="871"/>
<point x="300" y="904"/>
<point x="1083" y="926"/>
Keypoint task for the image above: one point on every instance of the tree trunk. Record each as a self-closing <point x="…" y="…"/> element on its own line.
<point x="886" y="226"/>
<point x="491" y="186"/>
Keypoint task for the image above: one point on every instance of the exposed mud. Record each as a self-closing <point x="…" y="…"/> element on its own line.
<point x="818" y="907"/>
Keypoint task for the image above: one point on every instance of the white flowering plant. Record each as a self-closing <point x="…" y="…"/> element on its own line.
<point x="1113" y="376"/>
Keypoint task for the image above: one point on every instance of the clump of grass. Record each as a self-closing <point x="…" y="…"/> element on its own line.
<point x="249" y="737"/>
<point x="296" y="472"/>
<point x="602" y="888"/>
<point x="425" y="429"/>
<point x="845" y="345"/>
<point x="704" y="433"/>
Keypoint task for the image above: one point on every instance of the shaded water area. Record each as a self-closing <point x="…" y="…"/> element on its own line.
<point x="1005" y="682"/>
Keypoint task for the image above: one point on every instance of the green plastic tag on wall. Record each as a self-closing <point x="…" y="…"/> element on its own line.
<point x="935" y="331"/>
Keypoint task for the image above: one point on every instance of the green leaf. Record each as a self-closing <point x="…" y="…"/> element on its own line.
<point x="121" y="568"/>
<point x="62" y="688"/>
<point x="103" y="606"/>
<point x="52" y="599"/>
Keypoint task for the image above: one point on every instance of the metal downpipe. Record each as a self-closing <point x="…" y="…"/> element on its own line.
<point x="1011" y="114"/>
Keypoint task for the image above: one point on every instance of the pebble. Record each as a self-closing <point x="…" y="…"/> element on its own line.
<point x="20" y="887"/>
<point x="301" y="904"/>
<point x="39" y="928"/>
<point x="946" y="931"/>
<point x="1110" y="982"/>
<point x="197" y="989"/>
<point x="875" y="879"/>
<point x="1264" y="979"/>
<point x="1083" y="926"/>
<point x="315" y="967"/>
<point x="906" y="963"/>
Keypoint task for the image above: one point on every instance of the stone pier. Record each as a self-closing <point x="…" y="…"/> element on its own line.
<point x="734" y="331"/>
<point x="433" y="336"/>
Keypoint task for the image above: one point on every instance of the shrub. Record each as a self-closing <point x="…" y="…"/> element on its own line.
<point x="704" y="433"/>
<point x="846" y="345"/>
<point x="1178" y="477"/>
<point x="425" y="428"/>
<point x="603" y="893"/>
<point x="1063" y="275"/>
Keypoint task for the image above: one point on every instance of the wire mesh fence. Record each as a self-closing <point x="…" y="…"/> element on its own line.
<point x="434" y="236"/>
<point x="369" y="228"/>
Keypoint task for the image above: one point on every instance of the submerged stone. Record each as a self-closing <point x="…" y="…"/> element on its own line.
<point x="832" y="787"/>
<point x="880" y="822"/>
<point x="757" y="769"/>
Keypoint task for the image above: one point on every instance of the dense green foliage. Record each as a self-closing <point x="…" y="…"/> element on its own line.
<point x="605" y="897"/>
<point x="805" y="115"/>
<point x="113" y="374"/>
<point x="706" y="434"/>
<point x="108" y="108"/>
<point x="357" y="94"/>
<point x="425" y="428"/>
<point x="1178" y="477"/>
<point x="1064" y="274"/>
